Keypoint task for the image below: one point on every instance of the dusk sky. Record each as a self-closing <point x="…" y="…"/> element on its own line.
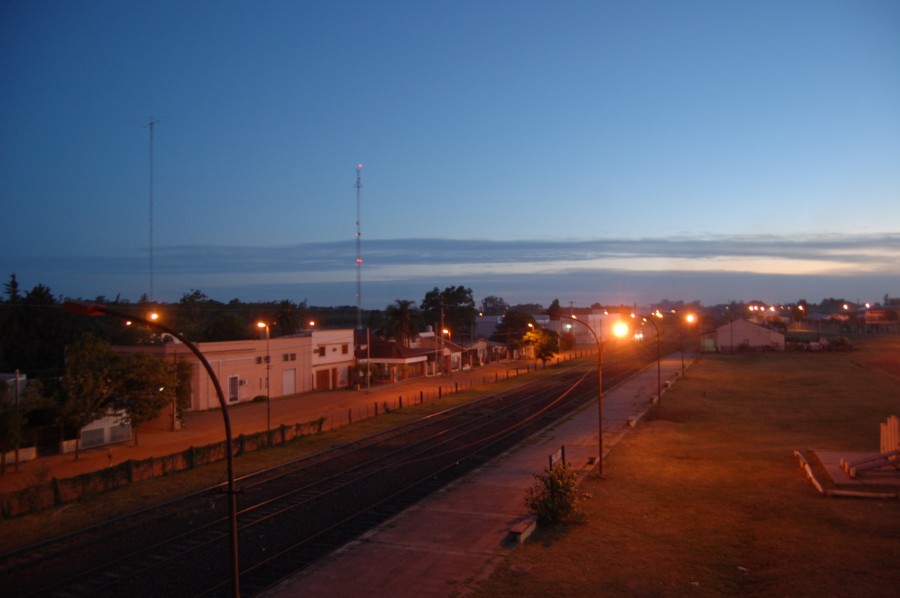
<point x="614" y="152"/>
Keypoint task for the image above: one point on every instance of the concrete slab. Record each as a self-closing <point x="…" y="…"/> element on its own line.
<point x="831" y="461"/>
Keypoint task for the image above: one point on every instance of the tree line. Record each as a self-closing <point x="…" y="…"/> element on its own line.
<point x="75" y="376"/>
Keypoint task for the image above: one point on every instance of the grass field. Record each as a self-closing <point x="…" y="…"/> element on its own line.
<point x="705" y="498"/>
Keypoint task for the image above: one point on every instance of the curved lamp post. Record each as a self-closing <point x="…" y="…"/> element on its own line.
<point x="84" y="309"/>
<point x="658" y="353"/>
<point x="618" y="332"/>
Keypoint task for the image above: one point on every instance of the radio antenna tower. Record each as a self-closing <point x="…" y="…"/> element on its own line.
<point x="358" y="253"/>
<point x="151" y="125"/>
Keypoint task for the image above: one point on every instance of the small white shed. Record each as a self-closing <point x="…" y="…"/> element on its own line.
<point x="743" y="335"/>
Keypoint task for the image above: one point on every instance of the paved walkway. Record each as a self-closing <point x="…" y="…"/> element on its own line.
<point x="458" y="535"/>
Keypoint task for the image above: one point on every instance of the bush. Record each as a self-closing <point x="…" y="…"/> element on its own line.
<point x="554" y="496"/>
<point x="259" y="399"/>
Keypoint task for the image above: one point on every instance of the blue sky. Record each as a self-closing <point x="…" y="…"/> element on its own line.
<point x="585" y="151"/>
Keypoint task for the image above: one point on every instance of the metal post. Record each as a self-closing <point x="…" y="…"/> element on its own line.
<point x="268" y="390"/>
<point x="100" y="310"/>
<point x="599" y="395"/>
<point x="658" y="357"/>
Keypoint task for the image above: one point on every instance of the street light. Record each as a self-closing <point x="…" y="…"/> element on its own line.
<point x="620" y="329"/>
<point x="690" y="319"/>
<point x="445" y="332"/>
<point x="84" y="309"/>
<point x="533" y="352"/>
<point x="658" y="353"/>
<point x="268" y="408"/>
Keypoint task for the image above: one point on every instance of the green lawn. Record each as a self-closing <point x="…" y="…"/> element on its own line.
<point x="705" y="498"/>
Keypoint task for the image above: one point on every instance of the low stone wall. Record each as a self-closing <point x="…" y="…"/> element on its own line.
<point x="55" y="492"/>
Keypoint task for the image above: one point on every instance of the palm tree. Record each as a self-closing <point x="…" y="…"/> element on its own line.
<point x="402" y="321"/>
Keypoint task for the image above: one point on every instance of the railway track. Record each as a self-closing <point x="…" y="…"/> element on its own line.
<point x="292" y="515"/>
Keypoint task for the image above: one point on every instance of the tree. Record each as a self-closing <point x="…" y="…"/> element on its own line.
<point x="402" y="321"/>
<point x="545" y="343"/>
<point x="224" y="326"/>
<point x="145" y="385"/>
<point x="288" y="318"/>
<point x="88" y="383"/>
<point x="35" y="333"/>
<point x="11" y="423"/>
<point x="554" y="311"/>
<point x="513" y="328"/>
<point x="566" y="340"/>
<point x="194" y="310"/>
<point x="452" y="308"/>
<point x="493" y="306"/>
<point x="12" y="289"/>
<point x="529" y="308"/>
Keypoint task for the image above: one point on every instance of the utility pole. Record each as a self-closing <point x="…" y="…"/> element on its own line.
<point x="151" y="125"/>
<point x="358" y="253"/>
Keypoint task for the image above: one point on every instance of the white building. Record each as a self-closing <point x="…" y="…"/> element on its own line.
<point x="742" y="335"/>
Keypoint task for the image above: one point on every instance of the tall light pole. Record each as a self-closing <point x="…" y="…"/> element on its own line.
<point x="268" y="407"/>
<point x="359" y="261"/>
<point x="84" y="309"/>
<point x="618" y="331"/>
<point x="658" y="353"/>
<point x="690" y="319"/>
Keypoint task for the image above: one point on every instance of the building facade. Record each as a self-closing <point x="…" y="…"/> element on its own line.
<point x="277" y="367"/>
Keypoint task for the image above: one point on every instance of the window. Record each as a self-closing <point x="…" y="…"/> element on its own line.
<point x="345" y="348"/>
<point x="321" y="351"/>
<point x="293" y="357"/>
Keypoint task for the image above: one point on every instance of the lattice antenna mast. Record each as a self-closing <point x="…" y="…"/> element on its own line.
<point x="358" y="251"/>
<point x="151" y="125"/>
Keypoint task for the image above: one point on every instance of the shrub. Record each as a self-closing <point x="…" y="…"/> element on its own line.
<point x="553" y="497"/>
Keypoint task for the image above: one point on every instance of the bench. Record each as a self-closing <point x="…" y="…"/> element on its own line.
<point x="522" y="528"/>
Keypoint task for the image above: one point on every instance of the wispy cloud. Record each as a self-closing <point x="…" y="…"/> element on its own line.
<point x="706" y="268"/>
<point x="760" y="254"/>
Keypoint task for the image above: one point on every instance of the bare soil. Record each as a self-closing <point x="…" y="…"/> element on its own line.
<point x="705" y="498"/>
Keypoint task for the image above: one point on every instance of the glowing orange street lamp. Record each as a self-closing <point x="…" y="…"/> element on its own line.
<point x="690" y="319"/>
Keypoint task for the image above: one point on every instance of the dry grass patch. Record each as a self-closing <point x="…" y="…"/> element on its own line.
<point x="705" y="497"/>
